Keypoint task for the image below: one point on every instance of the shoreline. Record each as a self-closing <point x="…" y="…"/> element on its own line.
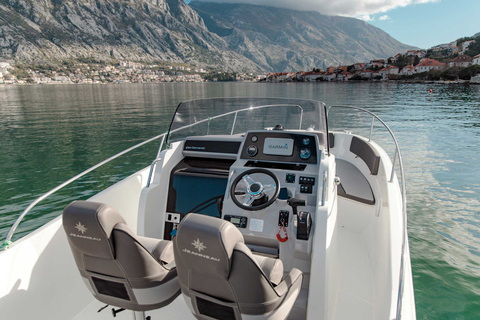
<point x="454" y="82"/>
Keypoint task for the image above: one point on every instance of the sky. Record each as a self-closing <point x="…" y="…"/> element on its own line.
<point x="420" y="23"/>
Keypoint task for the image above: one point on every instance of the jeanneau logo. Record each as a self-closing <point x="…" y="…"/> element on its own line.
<point x="81" y="228"/>
<point x="198" y="245"/>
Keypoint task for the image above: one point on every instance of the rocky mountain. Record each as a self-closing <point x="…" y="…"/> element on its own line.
<point x="283" y="40"/>
<point x="229" y="36"/>
<point x="40" y="31"/>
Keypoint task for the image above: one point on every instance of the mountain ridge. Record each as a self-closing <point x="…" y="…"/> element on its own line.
<point x="38" y="31"/>
<point x="284" y="40"/>
<point x="245" y="38"/>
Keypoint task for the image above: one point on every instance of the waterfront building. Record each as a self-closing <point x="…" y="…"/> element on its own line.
<point x="407" y="70"/>
<point x="313" y="76"/>
<point x="344" y="76"/>
<point x="460" y="61"/>
<point x="367" y="74"/>
<point x="427" y="64"/>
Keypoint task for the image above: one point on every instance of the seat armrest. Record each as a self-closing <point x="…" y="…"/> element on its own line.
<point x="162" y="250"/>
<point x="292" y="279"/>
<point x="273" y="268"/>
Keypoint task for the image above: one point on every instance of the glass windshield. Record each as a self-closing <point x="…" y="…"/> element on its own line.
<point x="227" y="116"/>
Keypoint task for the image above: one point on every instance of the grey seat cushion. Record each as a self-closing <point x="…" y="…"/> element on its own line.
<point x="89" y="227"/>
<point x="272" y="268"/>
<point x="217" y="271"/>
<point x="119" y="268"/>
<point x="162" y="250"/>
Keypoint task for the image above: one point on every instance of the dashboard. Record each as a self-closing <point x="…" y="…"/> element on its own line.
<point x="277" y="168"/>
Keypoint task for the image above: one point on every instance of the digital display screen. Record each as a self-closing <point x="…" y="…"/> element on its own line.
<point x="235" y="220"/>
<point x="278" y="147"/>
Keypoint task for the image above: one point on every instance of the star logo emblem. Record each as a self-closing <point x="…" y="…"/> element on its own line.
<point x="198" y="245"/>
<point x="80" y="227"/>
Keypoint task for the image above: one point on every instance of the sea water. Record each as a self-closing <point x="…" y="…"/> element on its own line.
<point x="48" y="134"/>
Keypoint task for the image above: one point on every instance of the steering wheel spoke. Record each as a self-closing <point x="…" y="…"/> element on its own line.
<point x="255" y="189"/>
<point x="269" y="187"/>
<point x="248" y="180"/>
<point x="248" y="200"/>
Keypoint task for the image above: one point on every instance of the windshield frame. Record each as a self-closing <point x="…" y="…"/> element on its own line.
<point x="317" y="108"/>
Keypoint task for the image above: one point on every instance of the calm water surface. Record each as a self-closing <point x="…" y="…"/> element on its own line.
<point x="50" y="133"/>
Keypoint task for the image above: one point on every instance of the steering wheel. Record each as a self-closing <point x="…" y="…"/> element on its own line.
<point x="260" y="189"/>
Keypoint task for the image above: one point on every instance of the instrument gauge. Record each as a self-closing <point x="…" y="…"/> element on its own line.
<point x="305" y="154"/>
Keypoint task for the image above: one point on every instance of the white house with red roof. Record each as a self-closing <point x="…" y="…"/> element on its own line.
<point x="387" y="71"/>
<point x="330" y="76"/>
<point x="407" y="70"/>
<point x="344" y="76"/>
<point x="460" y="61"/>
<point x="366" y="73"/>
<point x="313" y="76"/>
<point x="427" y="64"/>
<point x="376" y="63"/>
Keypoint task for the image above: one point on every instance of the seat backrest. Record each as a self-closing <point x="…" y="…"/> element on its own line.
<point x="218" y="274"/>
<point x="364" y="151"/>
<point x="113" y="263"/>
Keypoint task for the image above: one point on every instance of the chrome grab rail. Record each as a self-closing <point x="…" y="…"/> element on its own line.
<point x="8" y="239"/>
<point x="404" y="199"/>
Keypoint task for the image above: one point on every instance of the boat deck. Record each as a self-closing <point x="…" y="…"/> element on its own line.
<point x="176" y="310"/>
<point x="355" y="292"/>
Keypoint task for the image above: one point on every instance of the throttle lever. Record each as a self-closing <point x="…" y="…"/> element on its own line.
<point x="296" y="202"/>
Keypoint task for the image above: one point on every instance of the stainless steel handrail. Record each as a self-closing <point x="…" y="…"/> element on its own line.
<point x="404" y="200"/>
<point x="35" y="202"/>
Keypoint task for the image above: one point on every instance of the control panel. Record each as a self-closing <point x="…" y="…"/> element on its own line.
<point x="306" y="184"/>
<point x="281" y="146"/>
<point x="238" y="221"/>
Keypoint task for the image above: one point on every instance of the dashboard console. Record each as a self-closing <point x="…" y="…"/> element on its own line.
<point x="202" y="181"/>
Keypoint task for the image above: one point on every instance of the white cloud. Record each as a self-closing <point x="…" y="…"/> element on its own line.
<point x="384" y="17"/>
<point x="351" y="8"/>
<point x="366" y="17"/>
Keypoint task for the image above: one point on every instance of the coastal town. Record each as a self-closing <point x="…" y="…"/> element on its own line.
<point x="446" y="62"/>
<point x="411" y="65"/>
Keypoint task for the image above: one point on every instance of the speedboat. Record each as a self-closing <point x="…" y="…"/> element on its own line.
<point x="259" y="211"/>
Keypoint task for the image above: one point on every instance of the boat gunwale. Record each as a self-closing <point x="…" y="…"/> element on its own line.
<point x="398" y="154"/>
